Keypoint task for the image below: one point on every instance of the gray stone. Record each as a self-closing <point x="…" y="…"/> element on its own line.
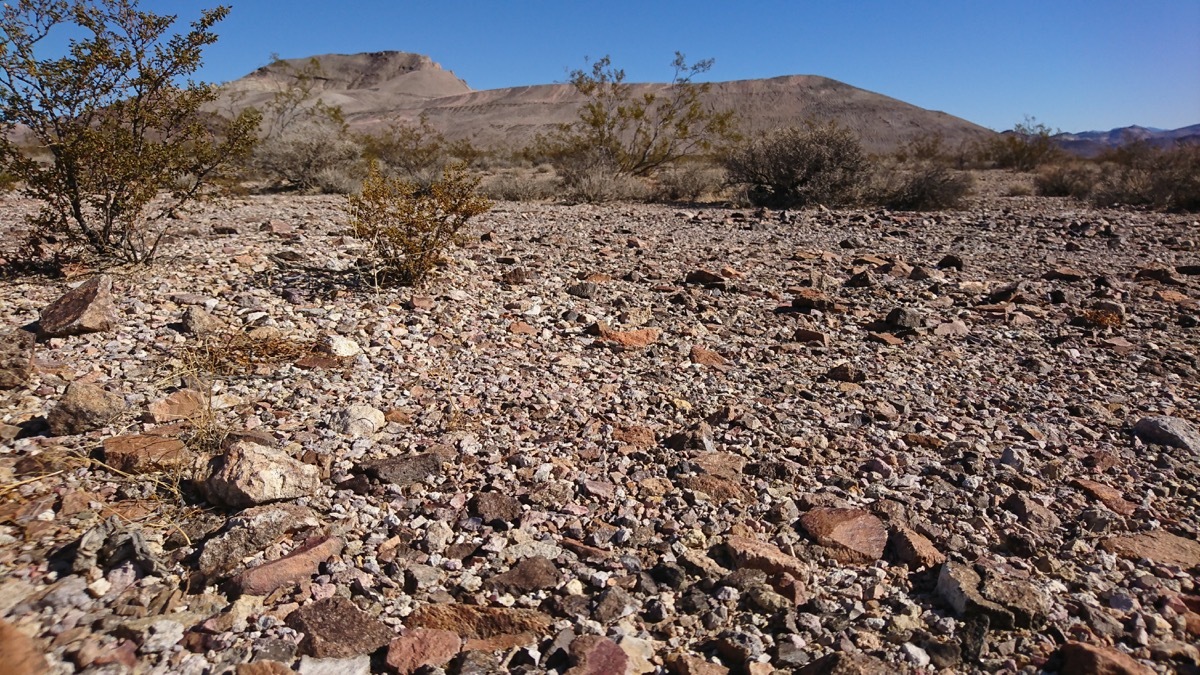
<point x="250" y="474"/>
<point x="358" y="421"/>
<point x="200" y="323"/>
<point x="250" y="532"/>
<point x="1172" y="431"/>
<point x="958" y="586"/>
<point x="358" y="665"/>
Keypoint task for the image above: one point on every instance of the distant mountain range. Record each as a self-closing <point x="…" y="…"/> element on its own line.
<point x="375" y="88"/>
<point x="1093" y="143"/>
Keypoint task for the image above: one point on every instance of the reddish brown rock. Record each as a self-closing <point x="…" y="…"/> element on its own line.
<point x="851" y="535"/>
<point x="811" y="336"/>
<point x="263" y="668"/>
<point x="1111" y="497"/>
<point x="521" y="328"/>
<point x="16" y="358"/>
<point x="475" y="622"/>
<point x="638" y="437"/>
<point x="289" y="570"/>
<point x="531" y="574"/>
<point x="1078" y="658"/>
<point x="19" y="652"/>
<point x="185" y="404"/>
<point x="759" y="555"/>
<point x="87" y="308"/>
<point x="723" y="464"/>
<point x="136" y="454"/>
<point x="913" y="549"/>
<point x="630" y="339"/>
<point x="1157" y="546"/>
<point x="808" y="299"/>
<point x="707" y="357"/>
<point x="596" y="655"/>
<point x="686" y="664"/>
<point x="717" y="487"/>
<point x="84" y="407"/>
<point x="847" y="664"/>
<point x="703" y="277"/>
<point x="335" y="628"/>
<point x="422" y="647"/>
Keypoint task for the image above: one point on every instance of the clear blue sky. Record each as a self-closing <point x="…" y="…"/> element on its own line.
<point x="1073" y="64"/>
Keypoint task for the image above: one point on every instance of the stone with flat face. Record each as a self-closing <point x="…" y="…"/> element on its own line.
<point x="87" y="308"/>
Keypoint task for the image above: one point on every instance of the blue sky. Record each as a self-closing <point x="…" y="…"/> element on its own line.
<point x="1074" y="65"/>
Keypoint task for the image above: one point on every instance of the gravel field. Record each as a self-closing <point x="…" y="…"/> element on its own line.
<point x="612" y="439"/>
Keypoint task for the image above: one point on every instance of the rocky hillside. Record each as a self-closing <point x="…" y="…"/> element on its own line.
<point x="621" y="439"/>
<point x="375" y="88"/>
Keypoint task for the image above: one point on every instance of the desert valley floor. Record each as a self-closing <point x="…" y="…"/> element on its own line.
<point x="614" y="439"/>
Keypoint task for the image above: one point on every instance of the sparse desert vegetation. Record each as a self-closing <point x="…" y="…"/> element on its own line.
<point x="290" y="383"/>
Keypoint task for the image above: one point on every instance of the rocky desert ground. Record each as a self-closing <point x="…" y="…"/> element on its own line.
<point x="617" y="439"/>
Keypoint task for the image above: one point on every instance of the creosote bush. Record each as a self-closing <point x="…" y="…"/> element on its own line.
<point x="409" y="228"/>
<point x="1066" y="179"/>
<point x="1140" y="175"/>
<point x="1026" y="147"/>
<point x="128" y="142"/>
<point x="927" y="186"/>
<point x="306" y="144"/>
<point x="799" y="166"/>
<point x="622" y="134"/>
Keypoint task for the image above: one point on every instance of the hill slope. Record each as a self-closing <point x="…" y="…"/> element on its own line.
<point x="375" y="88"/>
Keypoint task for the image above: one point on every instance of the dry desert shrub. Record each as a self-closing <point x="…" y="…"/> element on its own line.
<point x="799" y="166"/>
<point x="926" y="186"/>
<point x="410" y="229"/>
<point x="126" y="133"/>
<point x="1066" y="179"/>
<point x="687" y="182"/>
<point x="1140" y="175"/>
<point x="519" y="185"/>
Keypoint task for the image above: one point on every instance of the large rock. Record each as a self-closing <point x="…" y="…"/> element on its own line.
<point x="422" y="647"/>
<point x="596" y="655"/>
<point x="200" y="323"/>
<point x="138" y="453"/>
<point x="475" y="622"/>
<point x="358" y="421"/>
<point x="843" y="663"/>
<point x="1161" y="547"/>
<point x="185" y="404"/>
<point x="336" y="628"/>
<point x="1078" y="658"/>
<point x="251" y="474"/>
<point x="289" y="570"/>
<point x="753" y="554"/>
<point x="852" y="536"/>
<point x="19" y="652"/>
<point x="406" y="469"/>
<point x="87" y="308"/>
<point x="1172" y="431"/>
<point x="84" y="407"/>
<point x="16" y="358"/>
<point x="958" y="586"/>
<point x="252" y="531"/>
<point x="531" y="574"/>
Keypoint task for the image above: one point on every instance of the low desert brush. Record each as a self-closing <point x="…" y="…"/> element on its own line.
<point x="409" y="228"/>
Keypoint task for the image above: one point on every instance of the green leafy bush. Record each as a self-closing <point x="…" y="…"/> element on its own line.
<point x="121" y="120"/>
<point x="799" y="166"/>
<point x="409" y="228"/>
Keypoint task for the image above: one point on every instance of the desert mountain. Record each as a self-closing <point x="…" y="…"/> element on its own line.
<point x="1092" y="143"/>
<point x="375" y="88"/>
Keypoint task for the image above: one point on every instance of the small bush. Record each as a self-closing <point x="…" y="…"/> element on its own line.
<point x="687" y="183"/>
<point x="1026" y="147"/>
<point x="1140" y="175"/>
<point x="1074" y="179"/>
<point x="313" y="155"/>
<point x="519" y="186"/>
<point x="799" y="166"/>
<point x="928" y="186"/>
<point x="589" y="175"/>
<point x="409" y="229"/>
